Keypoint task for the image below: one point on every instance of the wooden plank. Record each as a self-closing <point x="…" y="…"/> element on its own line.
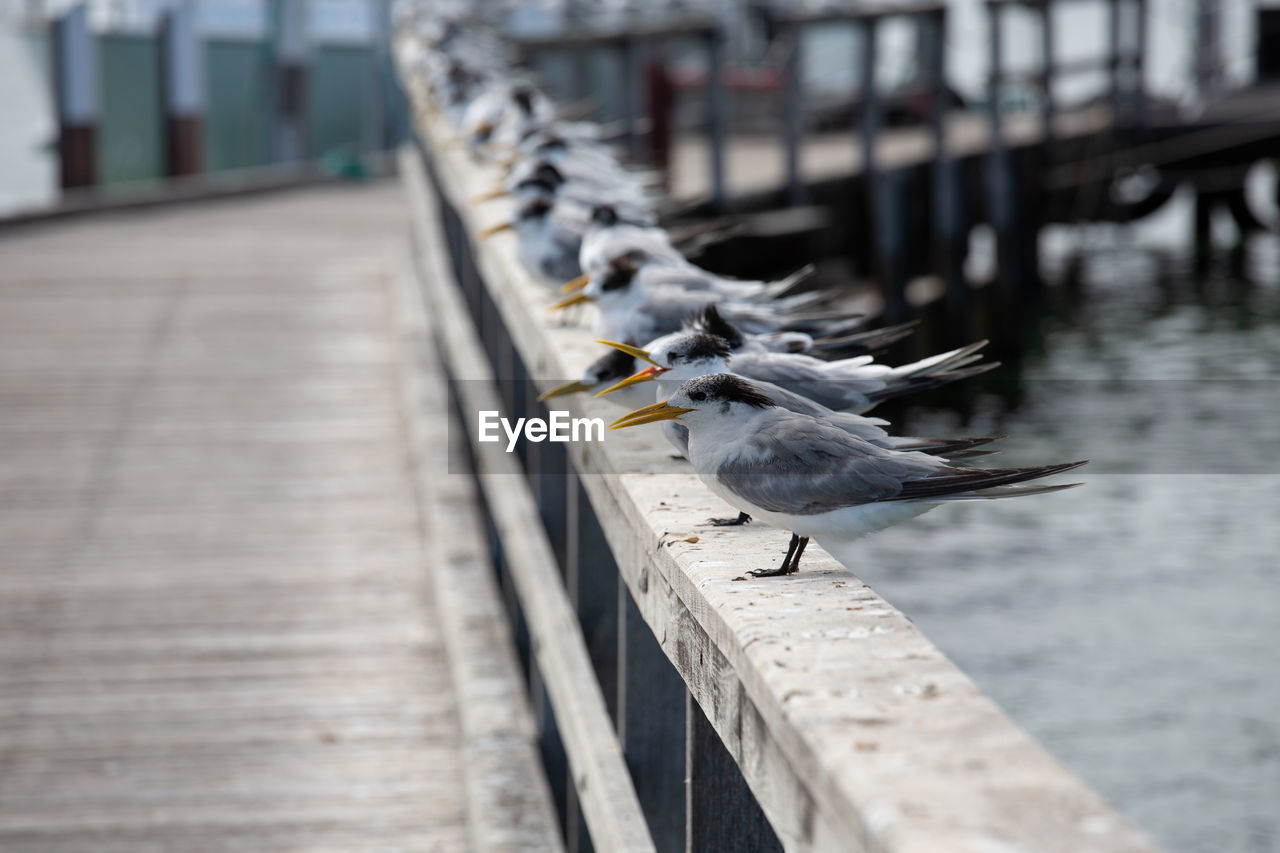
<point x="508" y="801"/>
<point x="599" y="774"/>
<point x="720" y="810"/>
<point x="651" y="726"/>
<point x="852" y="730"/>
<point x="215" y="627"/>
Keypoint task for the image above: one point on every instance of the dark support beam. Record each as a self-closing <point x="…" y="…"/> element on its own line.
<point x="1045" y="8"/>
<point x="629" y="56"/>
<point x="289" y="82"/>
<point x="651" y="726"/>
<point x="722" y="812"/>
<point x="1114" y="60"/>
<point x="717" y="116"/>
<point x="182" y="59"/>
<point x="793" y="112"/>
<point x="592" y="579"/>
<point x="75" y="74"/>
<point x="950" y="237"/>
<point x="885" y="203"/>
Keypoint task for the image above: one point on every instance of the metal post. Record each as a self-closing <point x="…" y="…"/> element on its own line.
<point x="995" y="76"/>
<point x="884" y="202"/>
<point x="75" y="72"/>
<point x="717" y="117"/>
<point x="386" y="132"/>
<point x="870" y="102"/>
<point x="1139" y="62"/>
<point x="1113" y="59"/>
<point x="793" y="113"/>
<point x="183" y="62"/>
<point x="627" y="100"/>
<point x="1046" y="75"/>
<point x="289" y="121"/>
<point x="948" y="211"/>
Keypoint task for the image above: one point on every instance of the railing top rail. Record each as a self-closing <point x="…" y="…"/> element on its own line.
<point x="870" y="11"/>
<point x="852" y="729"/>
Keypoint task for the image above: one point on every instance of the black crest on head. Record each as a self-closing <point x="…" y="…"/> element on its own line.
<point x="699" y="346"/>
<point x="709" y="320"/>
<point x="726" y="388"/>
<point x="552" y="143"/>
<point x="536" y="208"/>
<point x="604" y="214"/>
<point x="523" y="98"/>
<point x="612" y="366"/>
<point x="621" y="271"/>
<point x="548" y="173"/>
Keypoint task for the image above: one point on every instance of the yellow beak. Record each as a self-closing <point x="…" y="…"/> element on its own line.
<point x="649" y="414"/>
<point x="643" y="376"/>
<point x="564" y="390"/>
<point x="634" y="352"/>
<point x="576" y="299"/>
<point x="496" y="192"/>
<point x="574" y="285"/>
<point x="494" y="229"/>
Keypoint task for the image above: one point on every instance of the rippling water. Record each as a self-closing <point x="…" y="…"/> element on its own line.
<point x="1132" y="625"/>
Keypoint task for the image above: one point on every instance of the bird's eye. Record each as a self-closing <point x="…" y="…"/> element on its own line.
<point x="698" y="396"/>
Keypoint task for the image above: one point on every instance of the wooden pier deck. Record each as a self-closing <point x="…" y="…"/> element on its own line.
<point x="217" y="625"/>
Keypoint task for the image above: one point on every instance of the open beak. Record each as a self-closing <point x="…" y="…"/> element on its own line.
<point x="494" y="229"/>
<point x="576" y="284"/>
<point x="496" y="192"/>
<point x="649" y="414"/>
<point x="564" y="390"/>
<point x="643" y="376"/>
<point x="634" y="352"/>
<point x="576" y="299"/>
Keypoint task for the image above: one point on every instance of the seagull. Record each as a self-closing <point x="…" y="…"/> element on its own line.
<point x="802" y="474"/>
<point x="694" y="345"/>
<point x="548" y="237"/>
<point x="848" y="345"/>
<point x="642" y="302"/>
<point x="848" y="385"/>
<point x="540" y="177"/>
<point x="611" y="367"/>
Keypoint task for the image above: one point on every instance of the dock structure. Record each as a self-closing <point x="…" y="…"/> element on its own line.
<point x="750" y="715"/>
<point x="265" y="588"/>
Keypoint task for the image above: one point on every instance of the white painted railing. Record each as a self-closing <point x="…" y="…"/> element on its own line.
<point x="807" y="708"/>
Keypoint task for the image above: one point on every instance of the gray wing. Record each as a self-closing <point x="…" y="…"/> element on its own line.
<point x="868" y="429"/>
<point x="561" y="261"/>
<point x="803" y="466"/>
<point x="807" y="379"/>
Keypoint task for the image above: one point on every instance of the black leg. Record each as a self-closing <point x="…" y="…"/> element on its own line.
<point x="742" y="519"/>
<point x="795" y="561"/>
<point x="785" y="568"/>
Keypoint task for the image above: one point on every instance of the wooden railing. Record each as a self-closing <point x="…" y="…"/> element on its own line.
<point x="680" y="707"/>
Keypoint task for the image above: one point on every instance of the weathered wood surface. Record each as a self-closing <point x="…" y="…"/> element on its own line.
<point x="852" y="729"/>
<point x="599" y="774"/>
<point x="508" y="802"/>
<point x="217" y="629"/>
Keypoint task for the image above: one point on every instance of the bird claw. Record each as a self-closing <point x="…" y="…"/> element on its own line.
<point x="742" y="519"/>
<point x="781" y="571"/>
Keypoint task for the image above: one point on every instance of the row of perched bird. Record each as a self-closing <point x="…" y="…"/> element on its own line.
<point x="762" y="387"/>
